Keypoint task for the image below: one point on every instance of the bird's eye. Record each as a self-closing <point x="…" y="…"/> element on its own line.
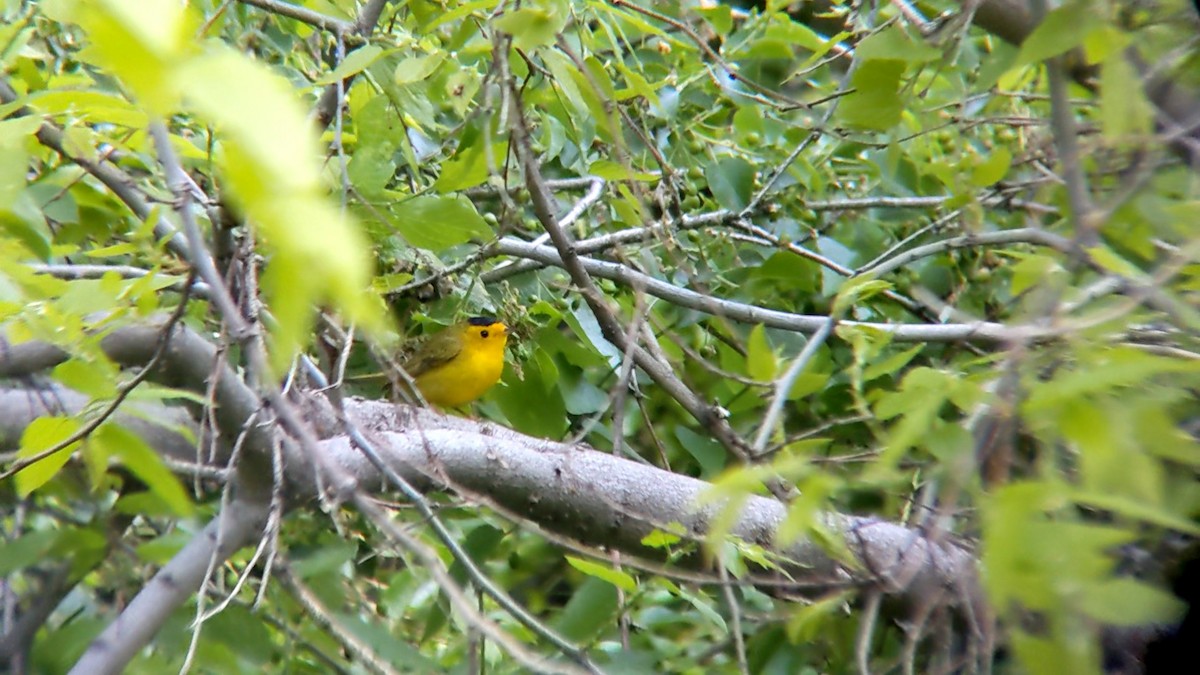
<point x="483" y="333"/>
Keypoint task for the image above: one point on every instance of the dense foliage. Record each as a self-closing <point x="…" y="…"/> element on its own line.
<point x="929" y="266"/>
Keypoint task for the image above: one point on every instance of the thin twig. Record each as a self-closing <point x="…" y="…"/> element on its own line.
<point x="360" y="650"/>
<point x="735" y="619"/>
<point x="783" y="385"/>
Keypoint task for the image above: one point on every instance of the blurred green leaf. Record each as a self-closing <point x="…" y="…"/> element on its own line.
<point x="1064" y="28"/>
<point x="894" y="43"/>
<point x="25" y="550"/>
<point x="892" y="363"/>
<point x="141" y="42"/>
<point x="660" y="539"/>
<point x="1125" y="114"/>
<point x="590" y="610"/>
<point x="1129" y="602"/>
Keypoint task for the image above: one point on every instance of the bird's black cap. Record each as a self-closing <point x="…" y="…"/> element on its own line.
<point x="482" y="320"/>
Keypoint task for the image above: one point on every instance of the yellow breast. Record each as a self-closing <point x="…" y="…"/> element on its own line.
<point x="471" y="372"/>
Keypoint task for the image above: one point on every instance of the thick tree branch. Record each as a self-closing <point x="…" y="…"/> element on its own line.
<point x="187" y="362"/>
<point x="168" y="430"/>
<point x="607" y="501"/>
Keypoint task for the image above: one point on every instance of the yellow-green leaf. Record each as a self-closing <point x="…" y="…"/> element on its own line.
<point x="992" y="169"/>
<point x="355" y="62"/>
<point x="761" y="363"/>
<point x="613" y="576"/>
<point x="42" y="434"/>
<point x="142" y="42"/>
<point x="536" y="26"/>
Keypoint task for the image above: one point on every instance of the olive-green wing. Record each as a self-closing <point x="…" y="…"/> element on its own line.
<point x="439" y="349"/>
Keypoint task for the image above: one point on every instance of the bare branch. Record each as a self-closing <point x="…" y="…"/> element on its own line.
<point x="982" y="331"/>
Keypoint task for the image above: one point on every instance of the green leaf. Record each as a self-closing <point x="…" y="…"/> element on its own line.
<point x="142" y="42"/>
<point x="856" y="290"/>
<point x="533" y="405"/>
<point x="160" y="550"/>
<point x="42" y="434"/>
<point x="707" y="452"/>
<point x="1031" y="271"/>
<point x="637" y="86"/>
<point x="616" y="577"/>
<point x="94" y="378"/>
<point x="371" y="169"/>
<point x="761" y="363"/>
<point x="807" y="621"/>
<point x="610" y="170"/>
<point x="533" y="27"/>
<point x="459" y="12"/>
<point x="705" y="608"/>
<point x="875" y="103"/>
<point x="437" y="223"/>
<point x="354" y="63"/>
<point x="589" y="611"/>
<point x="269" y="160"/>
<point x="144" y="462"/>
<point x="16" y="135"/>
<point x="891" y="364"/>
<point x="660" y="539"/>
<point x="383" y="640"/>
<point x="417" y="68"/>
<point x="479" y="544"/>
<point x="1125" y="114"/>
<point x="328" y="558"/>
<point x="25" y="550"/>
<point x="731" y="180"/>
<point x="1063" y="29"/>
<point x="1107" y="370"/>
<point x="1113" y="262"/>
<point x="895" y="44"/>
<point x="992" y="169"/>
<point x="245" y="633"/>
<point x="798" y="273"/>
<point x="469" y="166"/>
<point x="1137" y="510"/>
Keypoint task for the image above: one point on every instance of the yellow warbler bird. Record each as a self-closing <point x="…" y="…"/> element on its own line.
<point x="457" y="365"/>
